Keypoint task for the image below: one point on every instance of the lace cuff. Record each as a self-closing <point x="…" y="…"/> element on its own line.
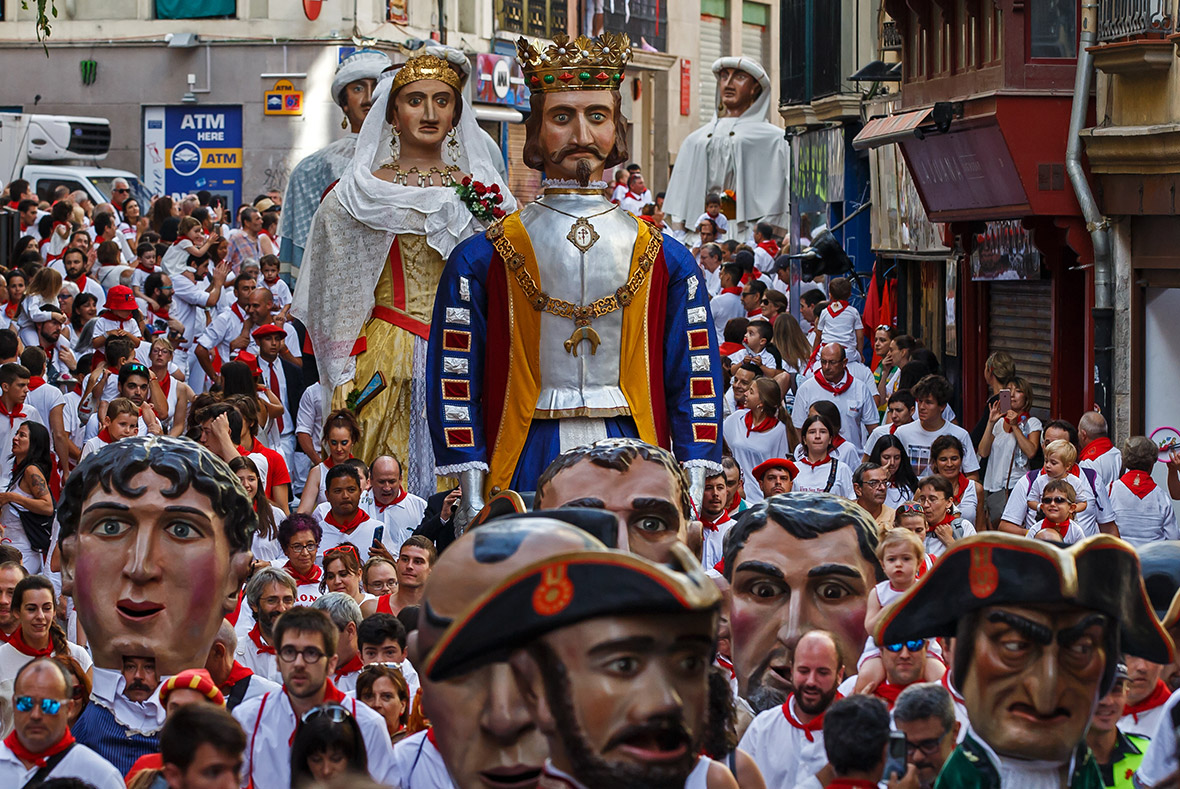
<point x="708" y="465"/>
<point x="459" y="468"/>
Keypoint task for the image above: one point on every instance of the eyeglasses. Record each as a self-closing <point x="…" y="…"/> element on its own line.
<point x="913" y="646"/>
<point x="928" y="747"/>
<point x="876" y="484"/>
<point x="333" y="712"/>
<point x="120" y="190"/>
<point x="381" y="586"/>
<point x="1054" y="500"/>
<point x="311" y="655"/>
<point x="48" y="706"/>
<point x="307" y="548"/>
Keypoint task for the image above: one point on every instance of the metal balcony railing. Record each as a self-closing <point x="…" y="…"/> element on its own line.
<point x="1122" y="19"/>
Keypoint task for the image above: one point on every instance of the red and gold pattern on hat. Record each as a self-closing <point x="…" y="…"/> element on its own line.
<point x="983" y="576"/>
<point x="554" y="592"/>
<point x="582" y="63"/>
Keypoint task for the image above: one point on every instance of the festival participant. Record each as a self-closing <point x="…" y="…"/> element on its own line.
<point x="411" y="211"/>
<point x="775" y="476"/>
<point x="842" y="449"/>
<point x="741" y="380"/>
<point x="379" y="576"/>
<point x="342" y="573"/>
<point x="341" y="518"/>
<point x="41" y="746"/>
<point x="925" y="713"/>
<point x="834" y="382"/>
<point x="11" y="573"/>
<point x="739" y="150"/>
<point x="346" y="615"/>
<point x="946" y="460"/>
<point x="1094" y="512"/>
<point x="1144" y="698"/>
<point x="757" y="349"/>
<point x="235" y="681"/>
<point x="265" y="543"/>
<point x="394" y="508"/>
<point x="779" y="558"/>
<point x="755" y="434"/>
<point x="839" y="323"/>
<point x="268" y="594"/>
<point x="943" y="526"/>
<point x="215" y="346"/>
<point x="1096" y="450"/>
<point x="715" y="521"/>
<point x="504" y="428"/>
<point x="27" y="514"/>
<point x="1142" y="509"/>
<point x="608" y="602"/>
<point x="931" y="395"/>
<point x="1066" y="610"/>
<point x="328" y="746"/>
<point x="270" y="266"/>
<point x="299" y="537"/>
<point x="201" y="745"/>
<point x="1117" y="752"/>
<point x="37" y="633"/>
<point x="14" y="389"/>
<point x="1009" y="441"/>
<point x="870" y="482"/>
<point x="642" y="485"/>
<point x="1058" y="504"/>
<point x="787" y="742"/>
<point x="305" y="640"/>
<point x="726" y="305"/>
<point x="352" y="89"/>
<point x="819" y="470"/>
<point x="341" y="433"/>
<point x="735" y="493"/>
<point x="384" y="690"/>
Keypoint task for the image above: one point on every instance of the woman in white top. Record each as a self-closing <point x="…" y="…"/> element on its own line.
<point x="755" y="434"/>
<point x="266" y="546"/>
<point x="341" y="434"/>
<point x="842" y="448"/>
<point x="890" y="454"/>
<point x="820" y="471"/>
<point x="28" y="492"/>
<point x="1010" y="440"/>
<point x="37" y="634"/>
<point x="946" y="460"/>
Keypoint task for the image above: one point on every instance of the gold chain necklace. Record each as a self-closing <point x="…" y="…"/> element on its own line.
<point x="582" y="234"/>
<point x="446" y="175"/>
<point x="581" y="314"/>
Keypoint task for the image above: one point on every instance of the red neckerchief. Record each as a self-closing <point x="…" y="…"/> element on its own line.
<point x="843" y="305"/>
<point x="849" y="783"/>
<point x="238" y="311"/>
<point x="709" y="525"/>
<point x="430" y="737"/>
<point x="6" y="637"/>
<point x="947" y="519"/>
<point x="357" y="519"/>
<point x="818" y="463"/>
<point x="1021" y="418"/>
<point x="1138" y="482"/>
<point x="350" y="667"/>
<point x="312" y="577"/>
<point x="838" y="441"/>
<point x="81" y="283"/>
<point x="727" y="664"/>
<point x="401" y="494"/>
<point x="161" y="314"/>
<point x="17" y="641"/>
<point x="888" y="692"/>
<point x="754" y="313"/>
<point x="12" y="415"/>
<point x="962" y="482"/>
<point x="142" y="267"/>
<point x="1156" y="698"/>
<point x="181" y="240"/>
<point x="110" y="315"/>
<point x="262" y="647"/>
<point x="836" y="389"/>
<point x="35" y="382"/>
<point x="893" y="429"/>
<point x="11" y="308"/>
<point x="770" y="247"/>
<point x="237" y="673"/>
<point x="1062" y="529"/>
<point x="42" y="758"/>
<point x="105" y="436"/>
<point x="816" y="724"/>
<point x="1096" y="448"/>
<point x="729" y="348"/>
<point x="766" y="424"/>
<point x="167" y="387"/>
<point x="328" y="462"/>
<point x="735" y="291"/>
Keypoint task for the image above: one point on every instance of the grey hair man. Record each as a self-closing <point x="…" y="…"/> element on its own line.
<point x="925" y="713"/>
<point x="270" y="592"/>
<point x="345" y="613"/>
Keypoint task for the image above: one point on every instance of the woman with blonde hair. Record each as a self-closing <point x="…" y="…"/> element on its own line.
<point x="795" y="351"/>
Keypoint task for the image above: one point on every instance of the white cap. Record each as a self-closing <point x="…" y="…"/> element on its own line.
<point x="362" y="64"/>
<point x="456" y="57"/>
<point x="748" y="65"/>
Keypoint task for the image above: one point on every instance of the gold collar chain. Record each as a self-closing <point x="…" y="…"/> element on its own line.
<point x="446" y="176"/>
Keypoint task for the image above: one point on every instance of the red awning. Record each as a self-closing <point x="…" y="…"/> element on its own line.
<point x="892" y="128"/>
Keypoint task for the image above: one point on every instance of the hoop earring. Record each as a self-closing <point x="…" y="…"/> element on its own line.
<point x="453" y="146"/>
<point x="396" y="143"/>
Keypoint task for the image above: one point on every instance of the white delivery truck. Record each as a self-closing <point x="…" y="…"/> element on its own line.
<point x="50" y="151"/>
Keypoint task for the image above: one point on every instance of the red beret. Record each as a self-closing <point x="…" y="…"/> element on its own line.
<point x="265" y="329"/>
<point x="767" y="465"/>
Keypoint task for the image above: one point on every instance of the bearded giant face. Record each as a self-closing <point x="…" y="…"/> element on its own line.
<point x="575" y="134"/>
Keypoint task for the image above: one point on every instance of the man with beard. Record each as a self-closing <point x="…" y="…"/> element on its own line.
<point x="59" y="357"/>
<point x="925" y="714"/>
<point x="797" y="562"/>
<point x="611" y="654"/>
<point x="735" y="501"/>
<point x="1037" y="640"/>
<point x="715" y="521"/>
<point x="775" y="476"/>
<point x="306" y="644"/>
<point x="482" y="734"/>
<point x="270" y="592"/>
<point x="787" y="742"/>
<point x="73" y="270"/>
<point x="622" y="343"/>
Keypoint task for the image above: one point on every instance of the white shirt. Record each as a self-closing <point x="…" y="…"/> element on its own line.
<point x="1073" y="533"/>
<point x="12" y="660"/>
<point x="1005" y="455"/>
<point x="782" y="750"/>
<point x="273" y="432"/>
<point x="1143" y="520"/>
<point x="1160" y="760"/>
<point x="311" y="412"/>
<point x="188" y="304"/>
<point x="8" y="428"/>
<point x="361" y="536"/>
<point x="80" y="762"/>
<point x="1098" y="508"/>
<point x="417" y="764"/>
<point x="765" y="357"/>
<point x="814" y="479"/>
<point x="399" y="519"/>
<point x="917" y="440"/>
<point x="845" y="453"/>
<point x="878" y="432"/>
<point x="725" y="307"/>
<point x="44" y="399"/>
<point x="279" y="291"/>
<point x="269" y="723"/>
<point x="1108" y="466"/>
<point x="840" y="327"/>
<point x="264" y="664"/>
<point x="753" y="449"/>
<point x="856" y="404"/>
<point x="1143" y="723"/>
<point x="222" y="331"/>
<point x="138" y="717"/>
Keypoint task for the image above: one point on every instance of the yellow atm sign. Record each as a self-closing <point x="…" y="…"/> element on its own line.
<point x="187" y="158"/>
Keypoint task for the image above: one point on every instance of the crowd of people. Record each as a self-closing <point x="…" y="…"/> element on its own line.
<point x="213" y="572"/>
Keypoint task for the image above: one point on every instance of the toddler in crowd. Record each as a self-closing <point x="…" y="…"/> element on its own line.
<point x="758" y="336"/>
<point x="840" y="323"/>
<point x="121" y="421"/>
<point x="191" y="244"/>
<point x="1058" y="503"/>
<point x="269" y="265"/>
<point x="901" y="554"/>
<point x="1060" y="457"/>
<point x="713" y="212"/>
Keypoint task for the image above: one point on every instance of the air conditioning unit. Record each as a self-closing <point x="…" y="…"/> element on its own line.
<point x="55" y="138"/>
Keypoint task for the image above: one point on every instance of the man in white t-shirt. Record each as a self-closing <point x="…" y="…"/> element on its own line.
<point x="1097" y="451"/>
<point x="834" y="382"/>
<point x="931" y="395"/>
<point x="392" y="507"/>
<point x="727" y="304"/>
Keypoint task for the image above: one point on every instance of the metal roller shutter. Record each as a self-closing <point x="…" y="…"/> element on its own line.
<point x="714" y="38"/>
<point x="1021" y="323"/>
<point x="755" y="43"/>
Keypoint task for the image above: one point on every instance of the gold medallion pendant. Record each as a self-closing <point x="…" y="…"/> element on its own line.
<point x="582" y="234"/>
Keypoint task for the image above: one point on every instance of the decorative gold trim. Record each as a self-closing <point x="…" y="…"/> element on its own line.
<point x="589" y="413"/>
<point x="425" y="67"/>
<point x="574" y="64"/>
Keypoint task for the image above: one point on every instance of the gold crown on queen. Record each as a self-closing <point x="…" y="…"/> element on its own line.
<point x="425" y="67"/>
<point x="575" y="64"/>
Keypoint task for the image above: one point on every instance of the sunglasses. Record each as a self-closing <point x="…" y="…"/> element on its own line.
<point x="333" y="712"/>
<point x="120" y="190"/>
<point x="911" y="508"/>
<point x="1055" y="500"/>
<point x="340" y="550"/>
<point x="48" y="706"/>
<point x="913" y="646"/>
<point x="928" y="747"/>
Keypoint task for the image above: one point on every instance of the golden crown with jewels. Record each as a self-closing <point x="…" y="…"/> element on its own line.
<point x="575" y="64"/>
<point x="425" y="67"/>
